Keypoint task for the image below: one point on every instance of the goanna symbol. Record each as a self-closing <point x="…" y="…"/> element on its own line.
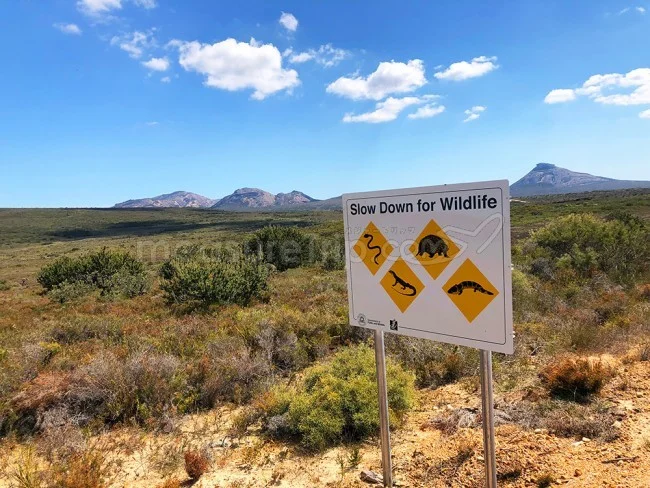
<point x="458" y="288"/>
<point x="401" y="284"/>
<point x="404" y="286"/>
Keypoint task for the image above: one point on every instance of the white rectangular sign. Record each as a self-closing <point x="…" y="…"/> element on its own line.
<point x="432" y="262"/>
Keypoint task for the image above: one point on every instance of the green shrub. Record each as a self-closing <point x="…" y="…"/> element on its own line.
<point x="337" y="400"/>
<point x="113" y="272"/>
<point x="434" y="364"/>
<point x="283" y="247"/>
<point x="69" y="292"/>
<point x="585" y="244"/>
<point x="203" y="277"/>
<point x="333" y="254"/>
<point x="4" y="286"/>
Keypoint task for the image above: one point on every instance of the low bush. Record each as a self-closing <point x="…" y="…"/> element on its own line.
<point x="140" y="388"/>
<point x="4" y="286"/>
<point x="586" y="244"/>
<point x="566" y="418"/>
<point x="82" y="328"/>
<point x="196" y="464"/>
<point x="85" y="470"/>
<point x="113" y="272"/>
<point x="575" y="379"/>
<point x="434" y="364"/>
<point x="203" y="277"/>
<point x="69" y="292"/>
<point x="576" y="421"/>
<point x="333" y="254"/>
<point x="283" y="247"/>
<point x="232" y="372"/>
<point x="337" y="401"/>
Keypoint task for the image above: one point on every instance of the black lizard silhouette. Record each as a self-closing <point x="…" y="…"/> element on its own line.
<point x="458" y="288"/>
<point x="405" y="285"/>
<point x="370" y="237"/>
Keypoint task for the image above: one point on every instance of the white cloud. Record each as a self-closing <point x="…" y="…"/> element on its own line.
<point x="326" y="55"/>
<point x="153" y="123"/>
<point x="638" y="9"/>
<point x="72" y="29"/>
<point x="645" y="114"/>
<point x="560" y="96"/>
<point x="390" y="109"/>
<point x="288" y="21"/>
<point x="231" y="65"/>
<point x="166" y="79"/>
<point x="148" y="4"/>
<point x="98" y="7"/>
<point x="157" y="64"/>
<point x="632" y="88"/>
<point x="428" y="111"/>
<point x="101" y="10"/>
<point x="301" y="57"/>
<point x="135" y="44"/>
<point x="384" y="111"/>
<point x="464" y="70"/>
<point x="474" y="113"/>
<point x="390" y="77"/>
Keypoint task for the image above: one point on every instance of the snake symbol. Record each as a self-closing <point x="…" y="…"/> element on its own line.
<point x="369" y="246"/>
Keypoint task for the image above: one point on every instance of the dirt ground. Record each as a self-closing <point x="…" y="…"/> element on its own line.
<point x="422" y="454"/>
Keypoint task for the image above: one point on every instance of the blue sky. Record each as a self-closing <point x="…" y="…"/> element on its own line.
<point x="106" y="100"/>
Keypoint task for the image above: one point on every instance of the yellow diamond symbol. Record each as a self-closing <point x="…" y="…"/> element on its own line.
<point x="434" y="249"/>
<point x="373" y="248"/>
<point x="401" y="284"/>
<point x="470" y="290"/>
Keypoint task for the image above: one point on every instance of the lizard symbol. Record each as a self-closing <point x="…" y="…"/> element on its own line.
<point x="405" y="286"/>
<point x="463" y="285"/>
<point x="370" y="237"/>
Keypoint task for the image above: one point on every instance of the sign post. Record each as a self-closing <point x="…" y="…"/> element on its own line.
<point x="487" y="399"/>
<point x="380" y="363"/>
<point x="433" y="262"/>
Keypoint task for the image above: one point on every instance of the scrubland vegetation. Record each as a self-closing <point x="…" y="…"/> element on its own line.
<point x="99" y="331"/>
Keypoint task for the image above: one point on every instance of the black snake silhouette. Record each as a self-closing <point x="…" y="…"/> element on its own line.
<point x="370" y="238"/>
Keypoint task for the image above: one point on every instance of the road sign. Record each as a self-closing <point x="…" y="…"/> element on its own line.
<point x="432" y="262"/>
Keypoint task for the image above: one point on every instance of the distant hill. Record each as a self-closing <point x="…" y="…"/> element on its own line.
<point x="254" y="198"/>
<point x="548" y="179"/>
<point x="178" y="199"/>
<point x="544" y="179"/>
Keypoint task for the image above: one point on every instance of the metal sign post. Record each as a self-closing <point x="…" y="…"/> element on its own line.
<point x="380" y="361"/>
<point x="488" y="420"/>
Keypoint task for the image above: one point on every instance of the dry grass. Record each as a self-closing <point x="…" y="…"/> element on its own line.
<point x="575" y="378"/>
<point x="196" y="464"/>
<point x="170" y="483"/>
<point x="26" y="474"/>
<point x="85" y="470"/>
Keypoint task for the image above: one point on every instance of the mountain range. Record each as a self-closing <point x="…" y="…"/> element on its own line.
<point x="543" y="179"/>
<point x="548" y="179"/>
